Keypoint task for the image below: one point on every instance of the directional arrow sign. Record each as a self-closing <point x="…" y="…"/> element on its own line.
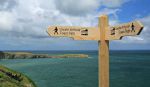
<point x="103" y="33"/>
<point x="75" y="32"/>
<point x="127" y="29"/>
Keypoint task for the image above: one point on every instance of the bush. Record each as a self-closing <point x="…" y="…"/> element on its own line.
<point x="1" y="75"/>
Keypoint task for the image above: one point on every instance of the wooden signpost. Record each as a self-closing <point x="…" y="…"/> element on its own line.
<point x="127" y="29"/>
<point x="103" y="33"/>
<point x="75" y="32"/>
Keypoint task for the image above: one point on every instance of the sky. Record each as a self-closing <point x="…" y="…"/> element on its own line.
<point x="23" y="23"/>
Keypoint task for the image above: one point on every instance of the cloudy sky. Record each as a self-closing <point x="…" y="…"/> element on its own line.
<point x="23" y="23"/>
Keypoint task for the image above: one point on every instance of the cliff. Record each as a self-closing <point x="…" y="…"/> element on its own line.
<point x="29" y="55"/>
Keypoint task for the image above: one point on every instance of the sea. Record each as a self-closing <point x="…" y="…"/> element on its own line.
<point x="127" y="69"/>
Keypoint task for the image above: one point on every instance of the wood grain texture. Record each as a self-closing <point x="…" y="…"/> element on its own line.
<point x="75" y="32"/>
<point x="127" y="29"/>
<point x="103" y="33"/>
<point x="103" y="53"/>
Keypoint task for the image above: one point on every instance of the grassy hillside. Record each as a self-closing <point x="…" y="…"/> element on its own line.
<point x="10" y="78"/>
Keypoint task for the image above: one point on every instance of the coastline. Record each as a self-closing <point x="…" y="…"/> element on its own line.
<point x="9" y="77"/>
<point x="30" y="55"/>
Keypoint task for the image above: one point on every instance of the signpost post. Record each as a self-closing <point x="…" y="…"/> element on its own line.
<point x="103" y="59"/>
<point x="103" y="33"/>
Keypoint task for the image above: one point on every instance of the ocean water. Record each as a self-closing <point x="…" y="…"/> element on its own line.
<point x="127" y="69"/>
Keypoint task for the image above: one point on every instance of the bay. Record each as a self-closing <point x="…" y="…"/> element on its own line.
<point x="127" y="69"/>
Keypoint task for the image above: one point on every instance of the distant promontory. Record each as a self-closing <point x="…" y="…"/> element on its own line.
<point x="30" y="55"/>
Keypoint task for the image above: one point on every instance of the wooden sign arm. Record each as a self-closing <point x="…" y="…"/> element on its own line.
<point x="128" y="29"/>
<point x="142" y="26"/>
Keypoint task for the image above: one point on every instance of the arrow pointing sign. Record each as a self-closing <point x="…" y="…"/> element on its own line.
<point x="75" y="32"/>
<point x="103" y="34"/>
<point x="93" y="33"/>
<point x="127" y="29"/>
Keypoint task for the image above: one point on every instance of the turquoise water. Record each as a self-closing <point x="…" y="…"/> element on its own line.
<point x="127" y="69"/>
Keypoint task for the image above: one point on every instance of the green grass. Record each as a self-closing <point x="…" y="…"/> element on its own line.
<point x="6" y="81"/>
<point x="73" y="55"/>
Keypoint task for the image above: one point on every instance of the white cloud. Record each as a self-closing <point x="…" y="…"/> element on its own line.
<point x="6" y="20"/>
<point x="35" y="15"/>
<point x="7" y="4"/>
<point x="109" y="11"/>
<point x="31" y="14"/>
<point x="27" y="20"/>
<point x="84" y="7"/>
<point x="146" y="31"/>
<point x="113" y="3"/>
<point x="77" y="7"/>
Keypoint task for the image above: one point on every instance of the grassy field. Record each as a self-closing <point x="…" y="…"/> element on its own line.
<point x="10" y="78"/>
